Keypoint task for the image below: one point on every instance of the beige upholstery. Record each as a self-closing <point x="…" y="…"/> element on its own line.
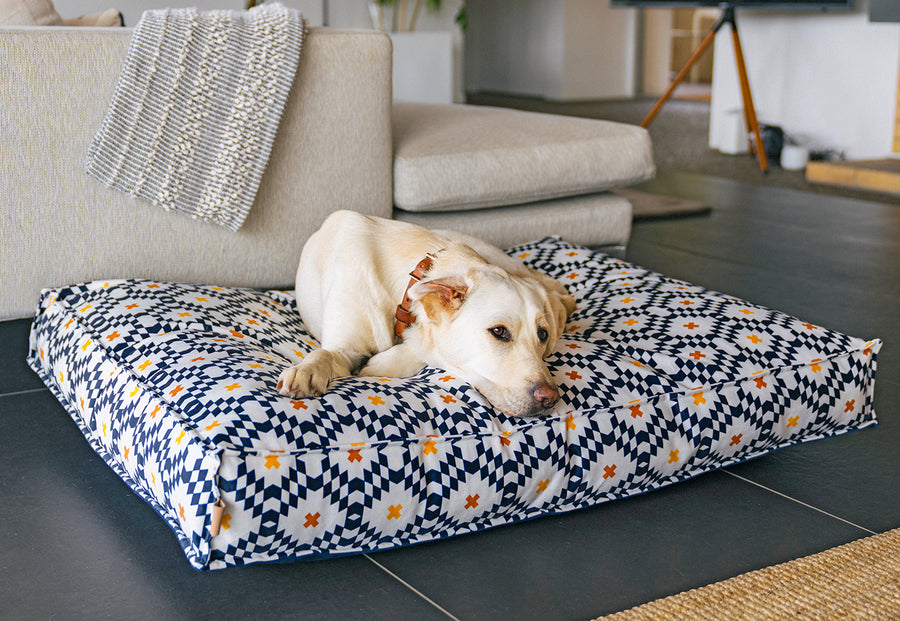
<point x="456" y="157"/>
<point x="601" y="219"/>
<point x="333" y="150"/>
<point x="28" y="13"/>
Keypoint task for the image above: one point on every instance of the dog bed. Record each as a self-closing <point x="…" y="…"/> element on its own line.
<point x="661" y="380"/>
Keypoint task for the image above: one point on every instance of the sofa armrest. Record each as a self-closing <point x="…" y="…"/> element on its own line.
<point x="332" y="151"/>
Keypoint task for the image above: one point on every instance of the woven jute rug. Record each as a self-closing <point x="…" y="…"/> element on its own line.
<point x="858" y="580"/>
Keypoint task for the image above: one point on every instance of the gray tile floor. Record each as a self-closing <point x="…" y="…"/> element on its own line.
<point x="75" y="543"/>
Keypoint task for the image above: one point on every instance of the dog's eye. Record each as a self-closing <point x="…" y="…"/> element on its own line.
<point x="501" y="333"/>
<point x="542" y="335"/>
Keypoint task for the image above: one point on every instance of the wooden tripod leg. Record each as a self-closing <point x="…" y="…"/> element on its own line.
<point x="695" y="56"/>
<point x="749" y="110"/>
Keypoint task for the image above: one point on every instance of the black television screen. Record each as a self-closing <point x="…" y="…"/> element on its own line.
<point x="773" y="4"/>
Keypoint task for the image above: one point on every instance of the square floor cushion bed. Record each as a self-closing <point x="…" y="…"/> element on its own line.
<point x="661" y="380"/>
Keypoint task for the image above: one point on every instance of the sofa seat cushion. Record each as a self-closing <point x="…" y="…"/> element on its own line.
<point x="453" y="157"/>
<point x="602" y="219"/>
<point x="660" y="380"/>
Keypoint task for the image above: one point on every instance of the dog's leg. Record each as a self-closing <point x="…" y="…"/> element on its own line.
<point x="398" y="361"/>
<point x="311" y="377"/>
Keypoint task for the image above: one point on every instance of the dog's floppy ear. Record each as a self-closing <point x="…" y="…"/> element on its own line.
<point x="440" y="295"/>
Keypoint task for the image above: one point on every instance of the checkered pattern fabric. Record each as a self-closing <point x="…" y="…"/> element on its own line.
<point x="661" y="380"/>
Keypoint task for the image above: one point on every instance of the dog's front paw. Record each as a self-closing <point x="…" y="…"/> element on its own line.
<point x="311" y="377"/>
<point x="302" y="381"/>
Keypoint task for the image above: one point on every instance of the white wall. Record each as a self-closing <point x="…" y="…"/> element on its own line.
<point x="829" y="78"/>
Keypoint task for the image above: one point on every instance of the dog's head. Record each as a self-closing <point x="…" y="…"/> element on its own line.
<point x="493" y="330"/>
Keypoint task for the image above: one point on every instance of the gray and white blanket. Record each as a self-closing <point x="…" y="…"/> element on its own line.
<point x="195" y="111"/>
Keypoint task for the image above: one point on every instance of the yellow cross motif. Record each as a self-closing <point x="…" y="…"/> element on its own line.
<point x="62" y="380"/>
<point x="125" y="452"/>
<point x="134" y="392"/>
<point x="376" y="400"/>
<point x="699" y="399"/>
<point x="630" y="322"/>
<point x="145" y="364"/>
<point x="272" y="462"/>
<point x="793" y="420"/>
<point x="180" y="437"/>
<point x="673" y="456"/>
<point x="226" y="521"/>
<point x="212" y="425"/>
<point x="627" y="300"/>
<point x="201" y="299"/>
<point x="746" y="311"/>
<point x="524" y="255"/>
<point x="570" y="421"/>
<point x="255" y="366"/>
<point x="154" y="412"/>
<point x="299" y="353"/>
<point x="815" y="367"/>
<point x="394" y="512"/>
<point x="87" y="344"/>
<point x="184" y="314"/>
<point x="104" y="429"/>
<point x="754" y="339"/>
<point x="232" y="387"/>
<point x="431" y="447"/>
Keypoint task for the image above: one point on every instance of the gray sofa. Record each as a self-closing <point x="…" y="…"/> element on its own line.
<point x="333" y="151"/>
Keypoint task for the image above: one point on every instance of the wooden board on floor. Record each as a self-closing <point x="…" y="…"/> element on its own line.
<point x="878" y="175"/>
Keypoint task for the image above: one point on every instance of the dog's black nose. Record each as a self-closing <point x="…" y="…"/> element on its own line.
<point x="545" y="395"/>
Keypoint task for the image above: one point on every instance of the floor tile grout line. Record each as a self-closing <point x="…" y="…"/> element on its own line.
<point x="410" y="587"/>
<point x="16" y="393"/>
<point x="800" y="502"/>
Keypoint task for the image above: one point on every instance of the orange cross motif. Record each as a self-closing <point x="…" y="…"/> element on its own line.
<point x="746" y="311"/>
<point x="181" y="511"/>
<point x="448" y="398"/>
<point x="231" y="387"/>
<point x="699" y="399"/>
<point x="299" y="405"/>
<point x="542" y="485"/>
<point x="673" y="456"/>
<point x="809" y="326"/>
<point x="760" y="382"/>
<point x="815" y="367"/>
<point x="125" y="452"/>
<point x="184" y="314"/>
<point x="226" y="521"/>
<point x="609" y="471"/>
<point x="573" y="375"/>
<point x="696" y="355"/>
<point x="376" y="400"/>
<point x="570" y="422"/>
<point x="312" y="519"/>
<point x="236" y="334"/>
<point x="686" y="302"/>
<point x="753" y="338"/>
<point x="272" y="462"/>
<point x="87" y="344"/>
<point x="524" y="255"/>
<point x="176" y="390"/>
<point x="735" y="440"/>
<point x="691" y="325"/>
<point x="354" y="455"/>
<point x="144" y="366"/>
<point x="131" y="306"/>
<point x="394" y="512"/>
<point x="793" y="421"/>
<point x="850" y="406"/>
<point x="431" y="447"/>
<point x="627" y="300"/>
<point x="573" y="346"/>
<point x="572" y="276"/>
<point x="212" y="425"/>
<point x="199" y="299"/>
<point x="471" y="501"/>
<point x="630" y="322"/>
<point x="112" y="336"/>
<point x="154" y="412"/>
<point x="635" y="411"/>
<point x="446" y="378"/>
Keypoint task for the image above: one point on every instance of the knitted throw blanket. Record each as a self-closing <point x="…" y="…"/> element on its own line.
<point x="195" y="111"/>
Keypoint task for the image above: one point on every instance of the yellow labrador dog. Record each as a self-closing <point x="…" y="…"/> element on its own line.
<point x="466" y="307"/>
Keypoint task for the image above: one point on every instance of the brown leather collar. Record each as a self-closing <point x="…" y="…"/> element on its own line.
<point x="403" y="315"/>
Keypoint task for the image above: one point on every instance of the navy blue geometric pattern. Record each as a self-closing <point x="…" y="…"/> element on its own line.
<point x="661" y="380"/>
